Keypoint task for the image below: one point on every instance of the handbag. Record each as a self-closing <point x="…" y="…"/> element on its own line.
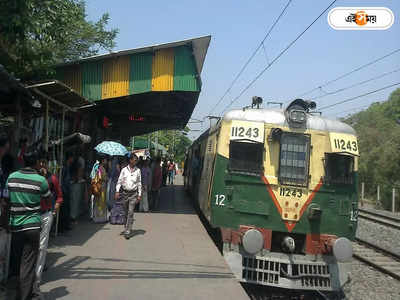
<point x="118" y="216"/>
<point x="96" y="186"/>
<point x="97" y="181"/>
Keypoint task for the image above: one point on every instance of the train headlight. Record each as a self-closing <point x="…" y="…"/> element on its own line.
<point x="297" y="116"/>
<point x="253" y="241"/>
<point x="288" y="244"/>
<point x="342" y="249"/>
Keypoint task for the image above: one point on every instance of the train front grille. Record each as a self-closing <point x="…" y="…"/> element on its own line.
<point x="267" y="272"/>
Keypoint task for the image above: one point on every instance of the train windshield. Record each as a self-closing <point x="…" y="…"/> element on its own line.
<point x="246" y="157"/>
<point x="339" y="168"/>
<point x="294" y="159"/>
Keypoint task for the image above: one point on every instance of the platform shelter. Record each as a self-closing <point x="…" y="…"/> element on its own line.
<point x="141" y="90"/>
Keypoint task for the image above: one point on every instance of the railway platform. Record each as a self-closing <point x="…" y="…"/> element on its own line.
<point x="170" y="256"/>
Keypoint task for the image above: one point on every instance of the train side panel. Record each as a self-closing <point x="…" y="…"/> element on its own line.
<point x="208" y="161"/>
<point x="204" y="150"/>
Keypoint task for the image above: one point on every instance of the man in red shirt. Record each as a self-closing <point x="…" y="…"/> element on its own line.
<point x="47" y="216"/>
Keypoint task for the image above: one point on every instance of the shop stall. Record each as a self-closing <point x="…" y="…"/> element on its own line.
<point x="79" y="186"/>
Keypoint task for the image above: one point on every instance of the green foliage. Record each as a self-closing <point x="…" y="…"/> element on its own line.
<point x="37" y="34"/>
<point x="174" y="140"/>
<point x="378" y="130"/>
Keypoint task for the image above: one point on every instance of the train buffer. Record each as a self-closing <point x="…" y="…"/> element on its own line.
<point x="170" y="256"/>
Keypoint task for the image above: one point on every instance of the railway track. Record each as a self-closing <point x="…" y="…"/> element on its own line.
<point x="257" y="292"/>
<point x="381" y="259"/>
<point x="379" y="218"/>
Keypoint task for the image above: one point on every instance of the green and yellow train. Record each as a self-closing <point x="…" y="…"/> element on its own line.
<point x="281" y="187"/>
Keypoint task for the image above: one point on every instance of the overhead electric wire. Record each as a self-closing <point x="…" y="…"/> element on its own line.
<point x="348" y="73"/>
<point x="351" y="109"/>
<point x="359" y="96"/>
<point x="277" y="57"/>
<point x="195" y="119"/>
<point x="251" y="57"/>
<point x="356" y="84"/>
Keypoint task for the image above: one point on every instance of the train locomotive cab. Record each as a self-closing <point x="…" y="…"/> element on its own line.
<point x="282" y="188"/>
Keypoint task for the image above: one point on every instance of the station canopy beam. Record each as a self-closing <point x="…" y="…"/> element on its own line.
<point x="59" y="94"/>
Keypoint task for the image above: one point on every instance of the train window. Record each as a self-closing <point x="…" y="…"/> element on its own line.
<point x="294" y="159"/>
<point x="246" y="157"/>
<point x="339" y="168"/>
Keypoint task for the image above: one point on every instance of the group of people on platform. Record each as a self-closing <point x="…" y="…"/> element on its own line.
<point x="121" y="185"/>
<point x="33" y="196"/>
<point x="169" y="171"/>
<point x="30" y="199"/>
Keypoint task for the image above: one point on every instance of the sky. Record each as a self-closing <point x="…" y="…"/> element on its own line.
<point x="238" y="27"/>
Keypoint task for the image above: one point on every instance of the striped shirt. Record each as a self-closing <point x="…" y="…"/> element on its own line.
<point x="26" y="187"/>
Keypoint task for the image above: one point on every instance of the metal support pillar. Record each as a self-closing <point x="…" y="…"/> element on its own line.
<point x="156" y="148"/>
<point x="19" y="121"/>
<point x="62" y="144"/>
<point x="173" y="145"/>
<point x="378" y="197"/>
<point x="61" y="163"/>
<point x="362" y="193"/>
<point x="46" y="144"/>
<point x="393" y="200"/>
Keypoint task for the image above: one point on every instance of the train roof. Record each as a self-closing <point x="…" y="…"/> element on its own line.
<point x="277" y="117"/>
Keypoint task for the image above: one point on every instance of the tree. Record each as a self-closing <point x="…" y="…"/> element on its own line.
<point x="37" y="34"/>
<point x="378" y="133"/>
<point x="174" y="140"/>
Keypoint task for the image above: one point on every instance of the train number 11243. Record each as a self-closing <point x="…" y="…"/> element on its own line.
<point x="289" y="192"/>
<point x="342" y="144"/>
<point x="243" y="132"/>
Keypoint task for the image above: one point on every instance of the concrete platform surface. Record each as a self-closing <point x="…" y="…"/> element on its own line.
<point x="170" y="256"/>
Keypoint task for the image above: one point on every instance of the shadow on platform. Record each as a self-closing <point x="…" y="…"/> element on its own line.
<point x="150" y="262"/>
<point x="174" y="200"/>
<point x="70" y="270"/>
<point x="136" y="232"/>
<point x="56" y="293"/>
<point x="81" y="233"/>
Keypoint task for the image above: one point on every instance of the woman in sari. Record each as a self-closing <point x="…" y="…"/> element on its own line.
<point x="92" y="176"/>
<point x="99" y="190"/>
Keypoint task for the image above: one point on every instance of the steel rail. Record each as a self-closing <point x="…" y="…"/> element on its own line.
<point x="378" y="214"/>
<point x="380" y="252"/>
<point x="379" y="218"/>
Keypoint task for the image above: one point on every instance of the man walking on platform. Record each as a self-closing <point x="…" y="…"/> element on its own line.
<point x="26" y="188"/>
<point x="129" y="187"/>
